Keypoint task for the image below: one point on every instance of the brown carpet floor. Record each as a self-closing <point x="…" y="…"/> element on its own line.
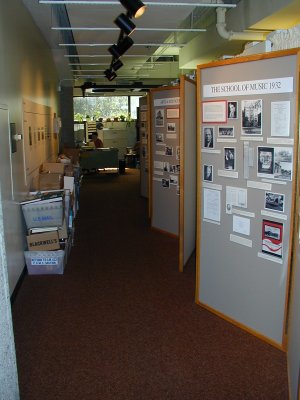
<point x="121" y="323"/>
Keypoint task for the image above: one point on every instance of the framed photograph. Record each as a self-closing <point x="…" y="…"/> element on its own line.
<point x="283" y="163"/>
<point x="252" y="117"/>
<point x="159" y="117"/>
<point x="214" y="111"/>
<point x="208" y="173"/>
<point x="172" y="112"/>
<point x="274" y="201"/>
<point x="226" y="131"/>
<point x="265" y="161"/>
<point x="232" y="109"/>
<point x="177" y="152"/>
<point x="171" y="127"/>
<point x="174" y="180"/>
<point x="272" y="234"/>
<point x="208" y="133"/>
<point x="165" y="183"/>
<point x="229" y="158"/>
<point x="169" y="151"/>
<point x="159" y="138"/>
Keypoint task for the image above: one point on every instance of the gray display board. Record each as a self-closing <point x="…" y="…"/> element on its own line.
<point x="144" y="149"/>
<point x="247" y="147"/>
<point x="165" y="126"/>
<point x="188" y="133"/>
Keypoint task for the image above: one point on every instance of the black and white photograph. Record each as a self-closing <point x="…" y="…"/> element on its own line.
<point x="177" y="168"/>
<point x="159" y="137"/>
<point x="208" y="137"/>
<point x="232" y="110"/>
<point x="226" y="131"/>
<point x="208" y="173"/>
<point x="177" y="152"/>
<point x="160" y="117"/>
<point x="169" y="151"/>
<point x="171" y="127"/>
<point x="252" y="117"/>
<point x="274" y="201"/>
<point x="165" y="183"/>
<point x="265" y="161"/>
<point x="229" y="158"/>
<point x="283" y="163"/>
<point x="174" y="180"/>
<point x="172" y="169"/>
<point x="166" y="166"/>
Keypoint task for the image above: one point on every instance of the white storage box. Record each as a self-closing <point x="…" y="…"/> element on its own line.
<point x="39" y="214"/>
<point x="45" y="262"/>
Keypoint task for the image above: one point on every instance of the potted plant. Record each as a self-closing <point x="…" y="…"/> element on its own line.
<point x="122" y="118"/>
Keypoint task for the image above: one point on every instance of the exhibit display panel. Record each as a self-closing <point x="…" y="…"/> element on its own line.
<point x="144" y="147"/>
<point x="165" y="159"/>
<point x="188" y="133"/>
<point x="247" y="152"/>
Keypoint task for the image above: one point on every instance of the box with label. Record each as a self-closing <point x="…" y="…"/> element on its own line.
<point x="41" y="214"/>
<point x="43" y="241"/>
<point x="45" y="262"/>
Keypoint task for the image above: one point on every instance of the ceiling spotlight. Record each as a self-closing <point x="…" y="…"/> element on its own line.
<point x="134" y="7"/>
<point x="125" y="24"/>
<point x="117" y="50"/>
<point x="117" y="65"/>
<point x="110" y="75"/>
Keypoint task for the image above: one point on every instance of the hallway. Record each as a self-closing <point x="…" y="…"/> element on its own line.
<point x="121" y="323"/>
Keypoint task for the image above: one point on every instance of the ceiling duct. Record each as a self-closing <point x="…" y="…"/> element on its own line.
<point x="230" y="35"/>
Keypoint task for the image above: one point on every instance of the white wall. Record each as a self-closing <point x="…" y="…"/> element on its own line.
<point x="27" y="72"/>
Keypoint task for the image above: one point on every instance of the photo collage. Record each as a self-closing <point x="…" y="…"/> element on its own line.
<point x="166" y="147"/>
<point x="233" y="130"/>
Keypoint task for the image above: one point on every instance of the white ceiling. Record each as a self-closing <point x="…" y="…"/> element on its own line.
<point x="138" y="64"/>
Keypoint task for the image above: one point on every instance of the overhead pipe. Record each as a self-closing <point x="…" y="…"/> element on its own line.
<point x="230" y="35"/>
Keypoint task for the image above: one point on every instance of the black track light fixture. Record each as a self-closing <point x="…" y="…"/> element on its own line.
<point x="116" y="65"/>
<point x="135" y="8"/>
<point x="110" y="75"/>
<point x="117" y="50"/>
<point x="125" y="24"/>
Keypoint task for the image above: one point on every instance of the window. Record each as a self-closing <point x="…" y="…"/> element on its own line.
<point x="105" y="107"/>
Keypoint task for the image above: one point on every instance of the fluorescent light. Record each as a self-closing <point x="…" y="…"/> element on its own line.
<point x="107" y="55"/>
<point x="85" y="28"/>
<point x="148" y="3"/>
<point x="135" y="44"/>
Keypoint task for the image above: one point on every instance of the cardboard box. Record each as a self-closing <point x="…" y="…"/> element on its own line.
<point x="43" y="241"/>
<point x="50" y="181"/>
<point x="39" y="214"/>
<point x="57" y="168"/>
<point x="45" y="262"/>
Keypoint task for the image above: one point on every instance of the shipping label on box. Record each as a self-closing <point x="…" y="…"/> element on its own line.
<point x="44" y="261"/>
<point x="43" y="241"/>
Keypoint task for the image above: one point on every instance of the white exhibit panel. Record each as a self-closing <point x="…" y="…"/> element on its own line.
<point x="248" y="148"/>
<point x="165" y="155"/>
<point x="188" y="134"/>
<point x="144" y="149"/>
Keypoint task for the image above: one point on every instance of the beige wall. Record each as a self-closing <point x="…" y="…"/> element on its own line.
<point x="27" y="72"/>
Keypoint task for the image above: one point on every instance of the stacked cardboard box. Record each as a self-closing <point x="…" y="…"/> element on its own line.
<point x="49" y="216"/>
